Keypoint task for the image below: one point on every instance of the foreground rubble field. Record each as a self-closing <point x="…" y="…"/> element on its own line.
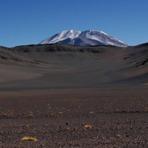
<point x="74" y="118"/>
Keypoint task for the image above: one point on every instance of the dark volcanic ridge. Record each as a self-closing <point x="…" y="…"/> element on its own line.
<point x="67" y="66"/>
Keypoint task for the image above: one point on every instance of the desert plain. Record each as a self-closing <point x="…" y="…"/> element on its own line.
<point x="59" y="96"/>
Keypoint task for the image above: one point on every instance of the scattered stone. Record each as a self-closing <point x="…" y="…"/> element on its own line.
<point x="118" y="136"/>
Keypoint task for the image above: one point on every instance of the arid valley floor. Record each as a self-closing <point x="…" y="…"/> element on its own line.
<point x="74" y="97"/>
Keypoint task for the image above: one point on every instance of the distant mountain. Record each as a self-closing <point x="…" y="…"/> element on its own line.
<point x="84" y="38"/>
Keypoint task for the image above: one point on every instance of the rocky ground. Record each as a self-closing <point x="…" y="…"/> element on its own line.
<point x="82" y="118"/>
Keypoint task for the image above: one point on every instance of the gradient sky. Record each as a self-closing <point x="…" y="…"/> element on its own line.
<point x="31" y="21"/>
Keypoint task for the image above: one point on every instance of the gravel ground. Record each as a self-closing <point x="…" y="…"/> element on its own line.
<point x="74" y="119"/>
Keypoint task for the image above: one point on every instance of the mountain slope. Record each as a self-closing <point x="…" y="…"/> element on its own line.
<point x="84" y="38"/>
<point x="66" y="66"/>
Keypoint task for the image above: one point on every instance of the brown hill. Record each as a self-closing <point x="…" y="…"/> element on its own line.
<point x="62" y="66"/>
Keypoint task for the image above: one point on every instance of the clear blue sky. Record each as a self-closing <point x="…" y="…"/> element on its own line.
<point x="31" y="21"/>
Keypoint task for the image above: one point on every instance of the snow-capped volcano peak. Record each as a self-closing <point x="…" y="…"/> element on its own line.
<point x="83" y="38"/>
<point x="62" y="36"/>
